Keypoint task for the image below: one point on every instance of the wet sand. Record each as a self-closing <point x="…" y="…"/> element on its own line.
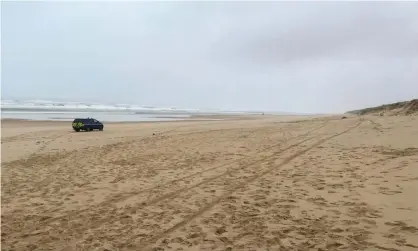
<point x="269" y="183"/>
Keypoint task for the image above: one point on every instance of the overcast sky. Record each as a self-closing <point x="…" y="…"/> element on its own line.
<point x="283" y="56"/>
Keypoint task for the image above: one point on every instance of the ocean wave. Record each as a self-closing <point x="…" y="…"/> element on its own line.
<point x="47" y="105"/>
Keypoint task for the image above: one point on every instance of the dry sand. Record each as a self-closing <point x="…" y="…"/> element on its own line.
<point x="260" y="184"/>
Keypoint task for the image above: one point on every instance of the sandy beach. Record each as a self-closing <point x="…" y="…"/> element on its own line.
<point x="265" y="183"/>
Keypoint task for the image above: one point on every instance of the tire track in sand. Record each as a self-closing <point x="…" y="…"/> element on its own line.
<point x="171" y="182"/>
<point x="146" y="245"/>
<point x="21" y="136"/>
<point x="184" y="178"/>
<point x="105" y="148"/>
<point x="46" y="141"/>
<point x="176" y="193"/>
<point x="73" y="213"/>
<point x="205" y="181"/>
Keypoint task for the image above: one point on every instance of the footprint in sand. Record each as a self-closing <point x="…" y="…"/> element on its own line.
<point x="400" y="226"/>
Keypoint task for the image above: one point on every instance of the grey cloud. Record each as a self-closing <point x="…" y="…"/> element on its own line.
<point x="286" y="56"/>
<point x="343" y="31"/>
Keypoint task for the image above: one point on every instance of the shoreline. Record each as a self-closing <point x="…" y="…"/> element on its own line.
<point x="122" y="118"/>
<point x="6" y="122"/>
<point x="215" y="117"/>
<point x="33" y="121"/>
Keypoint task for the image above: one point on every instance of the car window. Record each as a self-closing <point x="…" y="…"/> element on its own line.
<point x="95" y="121"/>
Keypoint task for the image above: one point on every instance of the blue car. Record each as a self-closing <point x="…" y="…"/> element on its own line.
<point x="88" y="124"/>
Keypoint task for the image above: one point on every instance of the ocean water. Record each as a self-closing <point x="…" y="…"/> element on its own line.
<point x="102" y="116"/>
<point x="67" y="111"/>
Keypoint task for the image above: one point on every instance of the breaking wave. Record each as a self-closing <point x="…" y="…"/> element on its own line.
<point x="53" y="106"/>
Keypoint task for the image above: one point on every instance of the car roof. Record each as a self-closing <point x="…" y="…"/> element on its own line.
<point x="85" y="119"/>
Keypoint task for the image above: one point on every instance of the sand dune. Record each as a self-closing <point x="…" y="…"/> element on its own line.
<point x="394" y="109"/>
<point x="269" y="183"/>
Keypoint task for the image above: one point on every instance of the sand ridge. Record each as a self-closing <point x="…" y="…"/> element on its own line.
<point x="262" y="184"/>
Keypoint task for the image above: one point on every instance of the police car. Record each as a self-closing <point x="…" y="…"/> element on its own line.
<point x="88" y="124"/>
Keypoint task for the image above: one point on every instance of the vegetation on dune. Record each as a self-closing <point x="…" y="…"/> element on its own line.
<point x="399" y="108"/>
